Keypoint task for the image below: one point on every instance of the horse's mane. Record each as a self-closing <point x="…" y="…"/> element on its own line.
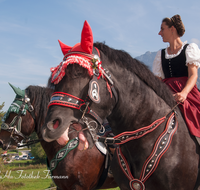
<point x="123" y="59"/>
<point x="41" y="97"/>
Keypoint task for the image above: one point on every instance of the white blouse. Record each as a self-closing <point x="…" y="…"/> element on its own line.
<point x="192" y="57"/>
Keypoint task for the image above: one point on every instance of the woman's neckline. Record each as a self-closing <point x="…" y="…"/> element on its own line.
<point x="169" y="56"/>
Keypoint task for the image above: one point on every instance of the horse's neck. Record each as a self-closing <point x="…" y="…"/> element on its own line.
<point x="138" y="104"/>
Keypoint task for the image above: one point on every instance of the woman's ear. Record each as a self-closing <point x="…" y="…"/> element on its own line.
<point x="173" y="29"/>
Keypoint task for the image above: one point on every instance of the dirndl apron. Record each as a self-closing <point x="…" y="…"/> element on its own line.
<point x="190" y="108"/>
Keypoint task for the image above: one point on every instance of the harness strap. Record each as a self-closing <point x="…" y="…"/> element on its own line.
<point x="160" y="147"/>
<point x="62" y="153"/>
<point x="31" y="109"/>
<point x="86" y="55"/>
<point x="16" y="122"/>
<point x="12" y="128"/>
<point x="5" y="126"/>
<point x="105" y="173"/>
<point x="132" y="135"/>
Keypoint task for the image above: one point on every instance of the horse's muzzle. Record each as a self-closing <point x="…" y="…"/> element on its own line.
<point x="53" y="130"/>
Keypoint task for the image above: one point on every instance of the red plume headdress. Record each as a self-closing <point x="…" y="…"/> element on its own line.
<point x="81" y="53"/>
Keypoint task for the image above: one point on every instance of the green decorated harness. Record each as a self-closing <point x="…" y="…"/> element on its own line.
<point x="20" y="105"/>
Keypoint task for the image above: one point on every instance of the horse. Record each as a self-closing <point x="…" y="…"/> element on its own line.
<point x="96" y="82"/>
<point x="72" y="166"/>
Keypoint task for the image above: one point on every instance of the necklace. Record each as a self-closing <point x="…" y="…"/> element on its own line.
<point x="175" y="50"/>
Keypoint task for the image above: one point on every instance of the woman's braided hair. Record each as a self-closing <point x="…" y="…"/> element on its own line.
<point x="177" y="23"/>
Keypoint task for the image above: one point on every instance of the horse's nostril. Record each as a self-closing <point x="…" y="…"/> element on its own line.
<point x="56" y="123"/>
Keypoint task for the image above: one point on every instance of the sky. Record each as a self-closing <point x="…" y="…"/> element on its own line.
<point x="30" y="30"/>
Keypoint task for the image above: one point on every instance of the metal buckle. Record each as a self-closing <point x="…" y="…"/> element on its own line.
<point x="30" y="108"/>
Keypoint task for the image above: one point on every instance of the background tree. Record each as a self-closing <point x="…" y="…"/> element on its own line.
<point x="2" y="113"/>
<point x="2" y="166"/>
<point x="38" y="152"/>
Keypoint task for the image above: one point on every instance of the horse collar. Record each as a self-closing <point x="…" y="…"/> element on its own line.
<point x="160" y="147"/>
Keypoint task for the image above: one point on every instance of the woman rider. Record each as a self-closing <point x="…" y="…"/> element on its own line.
<point x="177" y="65"/>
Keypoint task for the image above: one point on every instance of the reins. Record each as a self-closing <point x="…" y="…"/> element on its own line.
<point x="172" y="109"/>
<point x="30" y="142"/>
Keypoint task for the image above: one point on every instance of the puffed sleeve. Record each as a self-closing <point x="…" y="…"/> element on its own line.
<point x="193" y="54"/>
<point x="157" y="66"/>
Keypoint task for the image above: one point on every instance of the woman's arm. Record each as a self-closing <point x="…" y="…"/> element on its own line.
<point x="192" y="79"/>
<point x="157" y="66"/>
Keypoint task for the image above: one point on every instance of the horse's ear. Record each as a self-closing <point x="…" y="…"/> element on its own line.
<point x="64" y="48"/>
<point x="18" y="91"/>
<point x="87" y="38"/>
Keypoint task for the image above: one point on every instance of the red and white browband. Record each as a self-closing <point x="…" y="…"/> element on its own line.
<point x="88" y="61"/>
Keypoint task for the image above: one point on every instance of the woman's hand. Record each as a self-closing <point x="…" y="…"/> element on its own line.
<point x="192" y="79"/>
<point x="180" y="96"/>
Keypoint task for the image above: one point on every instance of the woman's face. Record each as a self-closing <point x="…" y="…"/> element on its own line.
<point x="165" y="32"/>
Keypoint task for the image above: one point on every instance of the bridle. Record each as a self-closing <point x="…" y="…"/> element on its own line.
<point x="14" y="127"/>
<point x="68" y="100"/>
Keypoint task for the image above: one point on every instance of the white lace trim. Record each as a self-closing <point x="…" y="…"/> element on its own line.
<point x="193" y="55"/>
<point x="170" y="56"/>
<point x="194" y="63"/>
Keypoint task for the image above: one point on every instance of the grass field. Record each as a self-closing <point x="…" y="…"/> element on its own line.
<point x="26" y="179"/>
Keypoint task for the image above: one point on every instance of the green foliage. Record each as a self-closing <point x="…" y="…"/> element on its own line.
<point x="37" y="150"/>
<point x="39" y="154"/>
<point x="2" y="166"/>
<point x="2" y="113"/>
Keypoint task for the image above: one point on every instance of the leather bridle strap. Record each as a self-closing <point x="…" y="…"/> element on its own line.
<point x="68" y="100"/>
<point x="30" y="107"/>
<point x="65" y="99"/>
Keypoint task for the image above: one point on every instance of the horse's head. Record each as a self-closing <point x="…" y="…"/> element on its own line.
<point x="83" y="90"/>
<point x="19" y="114"/>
